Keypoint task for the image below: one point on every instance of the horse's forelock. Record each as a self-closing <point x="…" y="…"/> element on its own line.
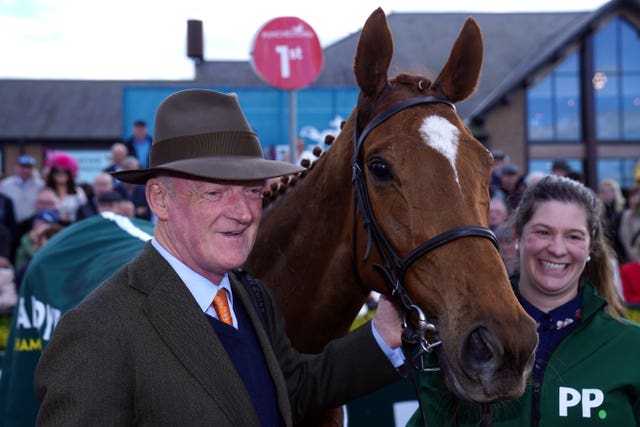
<point x="414" y="82"/>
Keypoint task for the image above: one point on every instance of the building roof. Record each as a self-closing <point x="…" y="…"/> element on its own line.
<point x="422" y="42"/>
<point x="64" y="109"/>
<point x="228" y="73"/>
<point x="516" y="44"/>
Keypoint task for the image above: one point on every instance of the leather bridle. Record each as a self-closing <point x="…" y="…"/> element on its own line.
<point x="394" y="267"/>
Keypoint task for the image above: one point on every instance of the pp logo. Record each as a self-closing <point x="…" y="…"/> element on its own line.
<point x="589" y="398"/>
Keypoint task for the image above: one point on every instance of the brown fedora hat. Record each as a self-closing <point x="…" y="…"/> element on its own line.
<point x="204" y="134"/>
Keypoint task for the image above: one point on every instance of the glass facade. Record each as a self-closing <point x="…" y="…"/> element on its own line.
<point x="620" y="169"/>
<point x="553" y="104"/>
<point x="544" y="165"/>
<point x="617" y="96"/>
<point x="617" y="168"/>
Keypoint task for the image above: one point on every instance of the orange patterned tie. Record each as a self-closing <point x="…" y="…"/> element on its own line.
<point x="221" y="305"/>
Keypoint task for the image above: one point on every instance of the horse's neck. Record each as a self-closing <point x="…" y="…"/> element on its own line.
<point x="303" y="252"/>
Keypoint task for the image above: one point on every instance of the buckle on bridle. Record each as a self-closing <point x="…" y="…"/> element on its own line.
<point x="415" y="342"/>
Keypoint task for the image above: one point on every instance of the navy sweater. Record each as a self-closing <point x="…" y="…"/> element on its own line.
<point x="244" y="350"/>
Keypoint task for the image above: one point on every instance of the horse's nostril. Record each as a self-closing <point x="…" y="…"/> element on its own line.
<point x="479" y="350"/>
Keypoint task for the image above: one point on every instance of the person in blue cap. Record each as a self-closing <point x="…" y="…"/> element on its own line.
<point x="22" y="187"/>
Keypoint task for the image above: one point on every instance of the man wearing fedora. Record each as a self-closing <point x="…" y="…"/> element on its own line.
<point x="179" y="336"/>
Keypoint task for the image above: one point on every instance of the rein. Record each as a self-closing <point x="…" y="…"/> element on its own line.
<point x="415" y="342"/>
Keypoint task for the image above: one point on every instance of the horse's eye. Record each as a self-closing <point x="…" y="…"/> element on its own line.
<point x="380" y="170"/>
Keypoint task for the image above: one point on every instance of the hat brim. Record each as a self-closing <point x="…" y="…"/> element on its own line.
<point x="229" y="168"/>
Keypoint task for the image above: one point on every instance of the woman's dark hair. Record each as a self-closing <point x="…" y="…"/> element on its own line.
<point x="71" y="183"/>
<point x="599" y="270"/>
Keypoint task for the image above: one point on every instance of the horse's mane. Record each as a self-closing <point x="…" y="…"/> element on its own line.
<point x="281" y="186"/>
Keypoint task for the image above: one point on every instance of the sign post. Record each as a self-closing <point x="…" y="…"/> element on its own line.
<point x="286" y="53"/>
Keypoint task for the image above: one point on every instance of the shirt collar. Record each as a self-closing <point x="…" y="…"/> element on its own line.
<point x="202" y="289"/>
<point x="560" y="317"/>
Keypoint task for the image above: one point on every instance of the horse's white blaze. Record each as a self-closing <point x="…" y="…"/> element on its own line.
<point x="442" y="136"/>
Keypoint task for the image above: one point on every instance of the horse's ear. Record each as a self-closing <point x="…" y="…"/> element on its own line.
<point x="373" y="55"/>
<point x="460" y="76"/>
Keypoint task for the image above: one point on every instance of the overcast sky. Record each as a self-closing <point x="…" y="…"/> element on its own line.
<point x="146" y="39"/>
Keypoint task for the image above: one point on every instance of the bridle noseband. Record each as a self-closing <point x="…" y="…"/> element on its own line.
<point x="394" y="267"/>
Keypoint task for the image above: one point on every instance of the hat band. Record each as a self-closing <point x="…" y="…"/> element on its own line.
<point x="216" y="144"/>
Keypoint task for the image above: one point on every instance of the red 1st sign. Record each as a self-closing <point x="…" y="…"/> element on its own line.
<point x="286" y="53"/>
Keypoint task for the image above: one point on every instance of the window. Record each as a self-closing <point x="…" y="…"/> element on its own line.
<point x="616" y="82"/>
<point x="553" y="104"/>
<point x="619" y="169"/>
<point x="544" y="165"/>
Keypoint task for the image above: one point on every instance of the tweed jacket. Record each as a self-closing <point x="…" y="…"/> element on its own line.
<point x="139" y="350"/>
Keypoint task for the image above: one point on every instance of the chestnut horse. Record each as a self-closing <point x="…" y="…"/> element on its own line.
<point x="404" y="170"/>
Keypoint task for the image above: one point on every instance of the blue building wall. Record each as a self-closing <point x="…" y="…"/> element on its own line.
<point x="319" y="111"/>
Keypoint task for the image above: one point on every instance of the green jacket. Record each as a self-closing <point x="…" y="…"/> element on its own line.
<point x="592" y="379"/>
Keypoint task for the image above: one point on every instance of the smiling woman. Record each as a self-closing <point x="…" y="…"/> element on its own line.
<point x="584" y="370"/>
<point x="555" y="249"/>
<point x="562" y="245"/>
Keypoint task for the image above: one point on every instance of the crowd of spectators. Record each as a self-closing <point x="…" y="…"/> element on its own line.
<point x="50" y="195"/>
<point x="39" y="200"/>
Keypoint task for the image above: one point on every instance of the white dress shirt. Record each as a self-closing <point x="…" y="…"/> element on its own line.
<point x="202" y="289"/>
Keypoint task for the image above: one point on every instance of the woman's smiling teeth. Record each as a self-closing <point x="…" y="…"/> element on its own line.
<point x="553" y="265"/>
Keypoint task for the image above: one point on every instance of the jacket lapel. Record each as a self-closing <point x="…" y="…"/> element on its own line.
<point x="183" y="327"/>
